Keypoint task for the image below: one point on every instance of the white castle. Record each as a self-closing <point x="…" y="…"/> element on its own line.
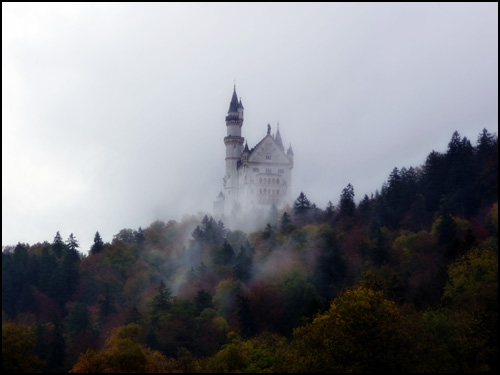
<point x="255" y="178"/>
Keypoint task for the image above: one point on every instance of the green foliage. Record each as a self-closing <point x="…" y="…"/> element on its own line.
<point x="264" y="353"/>
<point x="160" y="304"/>
<point x="78" y="318"/>
<point x="409" y="275"/>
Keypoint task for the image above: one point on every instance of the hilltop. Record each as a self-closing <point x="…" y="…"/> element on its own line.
<point x="406" y="280"/>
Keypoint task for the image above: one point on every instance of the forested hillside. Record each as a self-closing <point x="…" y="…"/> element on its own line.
<point x="404" y="281"/>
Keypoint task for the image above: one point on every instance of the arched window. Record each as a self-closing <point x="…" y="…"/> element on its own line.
<point x="274" y="180"/>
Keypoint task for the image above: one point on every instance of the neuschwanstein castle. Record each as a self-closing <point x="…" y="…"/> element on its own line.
<point x="255" y="178"/>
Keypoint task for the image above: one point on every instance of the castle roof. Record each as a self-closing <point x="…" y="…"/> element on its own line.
<point x="233" y="106"/>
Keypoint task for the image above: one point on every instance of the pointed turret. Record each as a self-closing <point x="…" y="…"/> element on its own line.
<point x="233" y="106"/>
<point x="277" y="138"/>
<point x="290" y="151"/>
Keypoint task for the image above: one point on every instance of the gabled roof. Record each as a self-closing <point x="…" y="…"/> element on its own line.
<point x="260" y="145"/>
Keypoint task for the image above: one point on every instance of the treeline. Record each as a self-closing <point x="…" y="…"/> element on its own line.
<point x="406" y="281"/>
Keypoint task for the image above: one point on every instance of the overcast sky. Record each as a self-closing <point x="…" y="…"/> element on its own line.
<point x="113" y="114"/>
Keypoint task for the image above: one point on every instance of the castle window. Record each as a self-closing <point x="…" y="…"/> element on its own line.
<point x="274" y="180"/>
<point x="268" y="157"/>
<point x="268" y="170"/>
<point x="277" y="180"/>
<point x="281" y="171"/>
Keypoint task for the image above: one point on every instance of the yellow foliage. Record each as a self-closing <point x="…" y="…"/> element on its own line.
<point x="122" y="353"/>
<point x="361" y="331"/>
<point x="18" y="343"/>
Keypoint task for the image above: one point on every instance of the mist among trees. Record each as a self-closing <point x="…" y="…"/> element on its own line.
<point x="404" y="281"/>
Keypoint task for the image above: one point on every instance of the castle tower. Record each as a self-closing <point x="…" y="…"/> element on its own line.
<point x="234" y="147"/>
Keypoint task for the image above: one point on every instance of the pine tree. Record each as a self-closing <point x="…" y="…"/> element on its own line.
<point x="202" y="301"/>
<point x="347" y="205"/>
<point x="72" y="243"/>
<point x="286" y="225"/>
<point x="301" y="205"/>
<point x="140" y="238"/>
<point x="243" y="265"/>
<point x="58" y="245"/>
<point x="98" y="244"/>
<point x="160" y="303"/>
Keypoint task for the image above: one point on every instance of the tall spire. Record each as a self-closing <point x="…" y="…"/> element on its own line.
<point x="233" y="106"/>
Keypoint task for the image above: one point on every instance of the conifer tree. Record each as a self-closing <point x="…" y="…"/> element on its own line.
<point x="347" y="205"/>
<point x="98" y="244"/>
<point x="58" y="245"/>
<point x="301" y="205"/>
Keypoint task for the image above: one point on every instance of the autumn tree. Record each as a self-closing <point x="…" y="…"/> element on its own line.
<point x="263" y="353"/>
<point x="471" y="299"/>
<point x="123" y="353"/>
<point x="18" y="344"/>
<point x="361" y="332"/>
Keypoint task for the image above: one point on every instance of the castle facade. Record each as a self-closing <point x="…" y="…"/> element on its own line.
<point x="255" y="178"/>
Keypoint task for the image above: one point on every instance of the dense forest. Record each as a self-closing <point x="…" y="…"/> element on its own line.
<point x="404" y="281"/>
